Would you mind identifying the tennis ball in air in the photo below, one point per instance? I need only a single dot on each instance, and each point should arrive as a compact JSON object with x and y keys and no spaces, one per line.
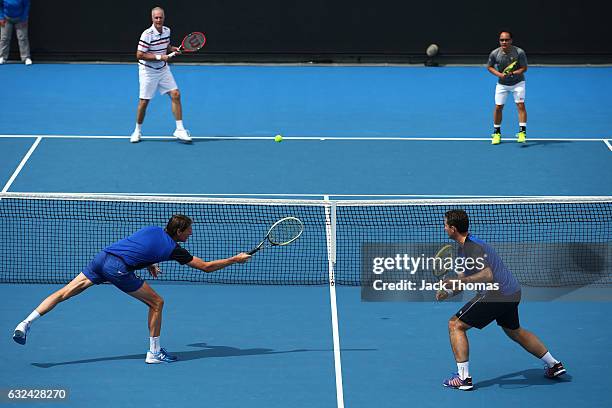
{"x":432,"y":50}
{"x":278,"y":138}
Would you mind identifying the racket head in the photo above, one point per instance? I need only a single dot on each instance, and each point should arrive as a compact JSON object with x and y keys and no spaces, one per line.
{"x":285,"y":231}
{"x":442,"y":267}
{"x":510,"y":67}
{"x":193,"y":42}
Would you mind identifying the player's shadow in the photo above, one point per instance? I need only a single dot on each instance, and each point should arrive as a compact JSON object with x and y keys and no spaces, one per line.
{"x":543,"y":143}
{"x":174,"y":140}
{"x":205,"y":351}
{"x":523,"y":379}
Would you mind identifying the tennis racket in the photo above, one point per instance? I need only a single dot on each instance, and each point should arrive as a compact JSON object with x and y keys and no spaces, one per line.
{"x":191,"y":43}
{"x":282,"y":232}
{"x":443,"y":262}
{"x":510,"y":67}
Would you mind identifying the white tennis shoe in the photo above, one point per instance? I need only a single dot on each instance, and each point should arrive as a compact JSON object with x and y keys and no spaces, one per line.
{"x":135,"y":138}
{"x":160,"y":357}
{"x":28,"y":61}
{"x":21,"y":332}
{"x":182,"y":135}
{"x":2,"y":60}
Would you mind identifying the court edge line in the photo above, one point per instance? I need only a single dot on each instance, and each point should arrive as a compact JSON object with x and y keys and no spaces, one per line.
{"x":607,"y":142}
{"x":22,"y":164}
{"x":329,"y":231}
{"x":319,"y":196}
{"x":270,"y":138}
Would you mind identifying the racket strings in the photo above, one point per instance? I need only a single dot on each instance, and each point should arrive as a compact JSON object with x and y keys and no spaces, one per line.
{"x":285,"y":231}
{"x":441,"y":261}
{"x":193,"y":42}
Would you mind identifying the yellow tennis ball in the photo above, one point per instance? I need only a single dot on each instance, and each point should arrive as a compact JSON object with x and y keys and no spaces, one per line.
{"x":278,"y":138}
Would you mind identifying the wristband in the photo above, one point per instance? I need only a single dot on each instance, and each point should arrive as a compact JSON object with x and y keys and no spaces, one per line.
{"x":158,"y":57}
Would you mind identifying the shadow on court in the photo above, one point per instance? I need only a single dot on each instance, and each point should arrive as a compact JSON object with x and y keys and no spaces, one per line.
{"x":207,"y":351}
{"x":221,"y":139}
{"x":543,"y":143}
{"x":523,"y":379}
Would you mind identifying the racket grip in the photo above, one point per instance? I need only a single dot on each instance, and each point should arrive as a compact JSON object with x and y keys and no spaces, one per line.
{"x":172,"y":54}
{"x":254,"y":250}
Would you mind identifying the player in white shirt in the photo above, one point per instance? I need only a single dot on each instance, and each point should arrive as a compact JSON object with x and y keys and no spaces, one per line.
{"x":154,"y":74}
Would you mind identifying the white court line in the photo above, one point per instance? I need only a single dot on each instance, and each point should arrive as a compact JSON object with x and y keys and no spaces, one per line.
{"x":607,"y":142}
{"x":310,"y":195}
{"x":23,"y":162}
{"x":330,"y":218}
{"x":308,"y":138}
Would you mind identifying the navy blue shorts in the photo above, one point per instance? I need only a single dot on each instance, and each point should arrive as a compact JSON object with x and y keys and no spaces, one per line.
{"x":482,"y":310}
{"x":110,"y":268}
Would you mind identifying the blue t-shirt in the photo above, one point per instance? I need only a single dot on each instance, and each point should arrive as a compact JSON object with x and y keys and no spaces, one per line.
{"x":148,"y":246}
{"x":474,"y":247}
{"x":14,"y":9}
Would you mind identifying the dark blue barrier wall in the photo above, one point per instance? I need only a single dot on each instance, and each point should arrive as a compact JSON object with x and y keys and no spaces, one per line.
{"x":327,"y":30}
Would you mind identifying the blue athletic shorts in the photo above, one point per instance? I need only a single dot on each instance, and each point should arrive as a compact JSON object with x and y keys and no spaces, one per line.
{"x":107,"y":267}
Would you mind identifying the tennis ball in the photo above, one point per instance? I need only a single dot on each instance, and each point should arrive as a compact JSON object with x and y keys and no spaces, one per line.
{"x":432,"y":50}
{"x":278,"y":138}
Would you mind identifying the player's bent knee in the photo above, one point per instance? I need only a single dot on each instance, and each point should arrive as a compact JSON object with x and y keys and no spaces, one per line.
{"x":175,"y":94}
{"x":514,"y":334}
{"x":158,"y":303}
{"x":455,"y":324}
{"x":499,"y":107}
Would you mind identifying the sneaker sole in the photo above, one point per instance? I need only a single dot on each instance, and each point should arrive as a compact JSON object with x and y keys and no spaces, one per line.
{"x":159,"y":361}
{"x":19,"y":337}
{"x":461,"y":388}
{"x":558,"y":373}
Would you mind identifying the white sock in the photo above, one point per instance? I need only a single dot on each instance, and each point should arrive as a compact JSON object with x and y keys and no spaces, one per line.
{"x":138,"y":127}
{"x":496,"y":126}
{"x":549,"y":359}
{"x":33,"y":316}
{"x":523,"y":124}
{"x":179,"y":125}
{"x":154,"y":344}
{"x":463,"y":369}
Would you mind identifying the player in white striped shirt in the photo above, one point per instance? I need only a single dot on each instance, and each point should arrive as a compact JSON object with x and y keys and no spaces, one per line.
{"x":154,"y":74}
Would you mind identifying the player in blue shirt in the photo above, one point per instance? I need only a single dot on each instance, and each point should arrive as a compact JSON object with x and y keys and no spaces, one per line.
{"x":500,"y":305}
{"x":116,"y":264}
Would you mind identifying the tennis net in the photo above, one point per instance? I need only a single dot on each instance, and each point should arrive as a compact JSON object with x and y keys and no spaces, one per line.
{"x":550,"y":242}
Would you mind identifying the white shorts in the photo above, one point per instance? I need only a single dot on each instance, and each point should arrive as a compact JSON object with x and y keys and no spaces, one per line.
{"x":502,"y":91}
{"x":152,"y":80}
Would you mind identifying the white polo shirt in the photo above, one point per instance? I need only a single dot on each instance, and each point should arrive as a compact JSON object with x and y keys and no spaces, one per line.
{"x":154,"y":42}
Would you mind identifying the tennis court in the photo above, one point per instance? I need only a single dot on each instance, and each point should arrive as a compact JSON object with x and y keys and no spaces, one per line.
{"x":350,"y":132}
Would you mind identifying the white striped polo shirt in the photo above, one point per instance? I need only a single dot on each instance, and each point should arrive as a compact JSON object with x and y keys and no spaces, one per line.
{"x":154,"y":42}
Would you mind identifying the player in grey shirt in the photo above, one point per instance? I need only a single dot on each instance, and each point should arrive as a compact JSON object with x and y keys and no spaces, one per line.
{"x":509,"y":64}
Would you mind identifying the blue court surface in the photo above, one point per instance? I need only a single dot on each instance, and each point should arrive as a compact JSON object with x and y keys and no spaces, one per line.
{"x":350,"y":132}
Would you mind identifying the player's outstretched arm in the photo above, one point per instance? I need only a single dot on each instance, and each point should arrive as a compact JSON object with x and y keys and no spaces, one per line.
{"x":211,"y":266}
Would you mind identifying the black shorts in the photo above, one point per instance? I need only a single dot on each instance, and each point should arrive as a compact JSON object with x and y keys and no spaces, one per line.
{"x":483,"y":309}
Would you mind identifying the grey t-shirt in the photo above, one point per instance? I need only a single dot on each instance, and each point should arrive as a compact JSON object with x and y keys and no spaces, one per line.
{"x":499,"y":60}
